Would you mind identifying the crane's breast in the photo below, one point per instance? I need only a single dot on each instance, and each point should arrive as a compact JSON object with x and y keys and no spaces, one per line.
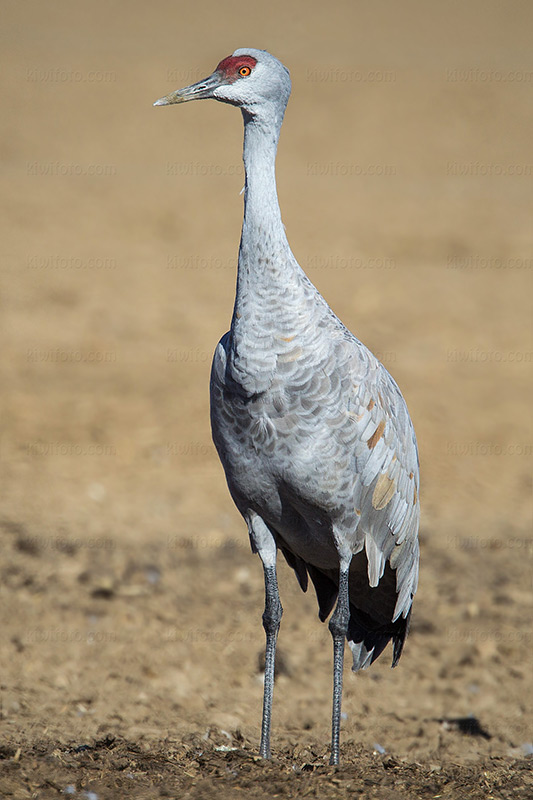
{"x":289,"y":435}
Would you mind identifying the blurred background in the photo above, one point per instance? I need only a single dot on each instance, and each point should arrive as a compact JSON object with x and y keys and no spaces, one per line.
{"x":405,"y":180}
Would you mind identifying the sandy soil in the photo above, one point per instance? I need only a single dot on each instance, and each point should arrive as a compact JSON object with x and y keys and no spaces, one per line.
{"x":131,"y":605}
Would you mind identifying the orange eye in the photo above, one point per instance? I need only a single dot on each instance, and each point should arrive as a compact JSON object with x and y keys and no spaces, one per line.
{"x":244,"y":72}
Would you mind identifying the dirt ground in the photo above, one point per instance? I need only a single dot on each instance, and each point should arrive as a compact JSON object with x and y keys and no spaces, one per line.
{"x":130,"y":603}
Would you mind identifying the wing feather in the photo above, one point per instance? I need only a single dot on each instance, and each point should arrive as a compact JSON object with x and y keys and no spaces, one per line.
{"x":386,"y":480}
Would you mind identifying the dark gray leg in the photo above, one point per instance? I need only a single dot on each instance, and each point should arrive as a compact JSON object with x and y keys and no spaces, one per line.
{"x":271,"y":623}
{"x":338,"y":626}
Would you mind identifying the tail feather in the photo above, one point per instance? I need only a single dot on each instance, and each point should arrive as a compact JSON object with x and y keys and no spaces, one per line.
{"x":367,"y":640}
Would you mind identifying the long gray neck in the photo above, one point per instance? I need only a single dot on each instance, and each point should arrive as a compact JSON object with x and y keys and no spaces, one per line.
{"x":266,"y":264}
{"x":261,"y":207}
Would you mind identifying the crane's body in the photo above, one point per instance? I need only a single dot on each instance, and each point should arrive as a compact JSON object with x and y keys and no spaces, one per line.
{"x":313,"y":433}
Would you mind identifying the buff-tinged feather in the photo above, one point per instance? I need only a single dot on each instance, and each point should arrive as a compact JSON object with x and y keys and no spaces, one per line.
{"x":383,"y":491}
{"x":376,"y":436}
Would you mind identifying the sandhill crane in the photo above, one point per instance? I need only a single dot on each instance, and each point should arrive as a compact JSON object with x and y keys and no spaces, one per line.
{"x":313,"y":433}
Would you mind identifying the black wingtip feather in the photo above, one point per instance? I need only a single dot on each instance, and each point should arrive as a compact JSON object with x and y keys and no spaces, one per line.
{"x":368,"y":640}
{"x":398,"y":640}
{"x":326,"y":592}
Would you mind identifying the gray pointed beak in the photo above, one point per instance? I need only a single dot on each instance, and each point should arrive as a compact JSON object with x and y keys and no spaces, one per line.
{"x":198,"y":91}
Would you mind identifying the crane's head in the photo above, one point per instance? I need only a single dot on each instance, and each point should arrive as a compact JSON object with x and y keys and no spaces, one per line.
{"x":251,"y":79}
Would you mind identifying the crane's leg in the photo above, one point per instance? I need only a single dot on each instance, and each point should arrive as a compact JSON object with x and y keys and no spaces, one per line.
{"x":271,"y":623}
{"x":263,"y":542}
{"x":338,"y":626}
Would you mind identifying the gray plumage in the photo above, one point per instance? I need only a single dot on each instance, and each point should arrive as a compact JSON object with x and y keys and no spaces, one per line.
{"x":313,"y":433}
